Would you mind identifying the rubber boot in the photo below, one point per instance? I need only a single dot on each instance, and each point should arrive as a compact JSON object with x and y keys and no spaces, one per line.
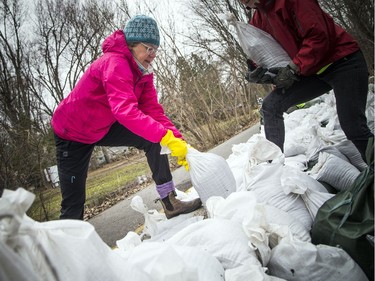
{"x":174,"y":207}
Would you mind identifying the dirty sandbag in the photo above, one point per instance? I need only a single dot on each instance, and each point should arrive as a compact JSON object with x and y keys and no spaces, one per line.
{"x":296,"y":260}
{"x":210,"y":174}
{"x":257,"y":44}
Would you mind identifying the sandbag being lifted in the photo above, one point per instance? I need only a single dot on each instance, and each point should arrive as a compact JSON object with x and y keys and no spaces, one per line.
{"x":257,"y":44}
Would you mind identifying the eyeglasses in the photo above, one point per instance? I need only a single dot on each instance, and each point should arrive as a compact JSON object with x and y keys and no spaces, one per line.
{"x":151,"y":50}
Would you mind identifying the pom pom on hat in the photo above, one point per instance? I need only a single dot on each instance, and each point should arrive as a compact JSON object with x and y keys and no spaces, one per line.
{"x":142,"y":28}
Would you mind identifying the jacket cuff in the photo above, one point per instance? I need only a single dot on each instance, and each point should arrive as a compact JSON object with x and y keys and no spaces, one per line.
{"x":294,"y":67}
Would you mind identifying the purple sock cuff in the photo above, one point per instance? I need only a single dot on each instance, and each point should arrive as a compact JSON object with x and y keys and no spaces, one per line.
{"x":164,"y":189}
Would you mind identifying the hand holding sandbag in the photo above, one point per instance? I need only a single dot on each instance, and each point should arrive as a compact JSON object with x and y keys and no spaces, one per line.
{"x":259,"y":76}
{"x":285,"y":76}
{"x":177,"y":146}
{"x":183,"y":162}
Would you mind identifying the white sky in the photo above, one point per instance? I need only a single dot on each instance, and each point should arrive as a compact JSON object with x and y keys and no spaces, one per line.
{"x":166,"y":12}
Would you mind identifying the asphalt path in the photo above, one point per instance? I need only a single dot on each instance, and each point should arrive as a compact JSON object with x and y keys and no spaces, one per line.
{"x":114,"y":223}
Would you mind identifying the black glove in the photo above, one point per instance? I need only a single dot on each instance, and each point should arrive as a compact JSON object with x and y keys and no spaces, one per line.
{"x":259,"y":76}
{"x":285,"y":76}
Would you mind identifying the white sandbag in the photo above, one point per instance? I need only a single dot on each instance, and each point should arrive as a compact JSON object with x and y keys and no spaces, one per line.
{"x":19,"y":201}
{"x":167,"y":229}
{"x":210,"y":174}
{"x":313,"y":193}
{"x":298,"y":161}
{"x":265,"y":232}
{"x":302,"y":261}
{"x":323,"y":121}
{"x":255,"y":228}
{"x":223,"y":239}
{"x":281,"y":224}
{"x":129,"y":242}
{"x":370,"y":107}
{"x":152,"y":217}
{"x":314,"y":200}
{"x":237,"y":162}
{"x":166,"y":262}
{"x":241,"y":206}
{"x":262,"y":176}
{"x":258,"y":45}
{"x":326,"y":170}
{"x":298,"y":140}
{"x":265,"y":181}
{"x":249,"y":272}
{"x":235,"y":207}
{"x":13,"y":267}
{"x":262,"y":150}
{"x":327,"y":114}
{"x":293,"y":120}
{"x":246,"y":155}
{"x":315,"y":146}
{"x":67,"y":241}
{"x":331,"y":149}
{"x":295,"y":181}
{"x":332,"y":132}
{"x":56,"y":250}
{"x":348,"y":149}
{"x":13,"y":207}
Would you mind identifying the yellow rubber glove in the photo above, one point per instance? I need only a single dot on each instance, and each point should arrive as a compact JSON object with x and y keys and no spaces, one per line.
{"x":178,"y":147}
{"x":183,"y":162}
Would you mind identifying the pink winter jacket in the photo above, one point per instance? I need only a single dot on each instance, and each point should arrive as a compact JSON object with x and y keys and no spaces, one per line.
{"x":112,"y":89}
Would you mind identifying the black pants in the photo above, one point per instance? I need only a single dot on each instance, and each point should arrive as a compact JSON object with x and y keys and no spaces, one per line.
{"x":348,"y":77}
{"x":73,"y":162}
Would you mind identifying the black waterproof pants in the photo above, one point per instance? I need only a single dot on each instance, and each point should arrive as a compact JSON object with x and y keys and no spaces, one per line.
{"x":73,"y":162}
{"x":348,"y":77}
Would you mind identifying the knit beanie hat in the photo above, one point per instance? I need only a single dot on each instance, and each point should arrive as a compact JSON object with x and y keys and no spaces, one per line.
{"x":142,"y":28}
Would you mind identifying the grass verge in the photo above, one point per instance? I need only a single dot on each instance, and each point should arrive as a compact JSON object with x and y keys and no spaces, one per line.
{"x":113,"y":178}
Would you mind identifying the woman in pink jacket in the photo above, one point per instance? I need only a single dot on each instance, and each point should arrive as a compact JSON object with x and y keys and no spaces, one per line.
{"x":115,"y":104}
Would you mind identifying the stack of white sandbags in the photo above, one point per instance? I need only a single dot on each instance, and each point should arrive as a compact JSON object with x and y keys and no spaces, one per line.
{"x":262,"y":230}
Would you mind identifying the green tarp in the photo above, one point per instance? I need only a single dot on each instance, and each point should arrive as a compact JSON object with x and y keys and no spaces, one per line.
{"x":347,"y":219}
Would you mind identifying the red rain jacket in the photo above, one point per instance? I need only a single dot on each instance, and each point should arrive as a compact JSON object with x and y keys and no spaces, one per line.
{"x":305,"y":31}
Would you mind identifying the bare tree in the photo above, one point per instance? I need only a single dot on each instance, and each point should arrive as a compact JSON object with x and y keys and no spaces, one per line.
{"x":68,"y":38}
{"x":41,"y":60}
{"x":357,"y":17}
{"x":204,"y":91}
{"x":22,"y":135}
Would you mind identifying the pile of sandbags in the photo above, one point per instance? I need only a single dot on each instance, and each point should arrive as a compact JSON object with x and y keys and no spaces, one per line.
{"x":260,"y":211}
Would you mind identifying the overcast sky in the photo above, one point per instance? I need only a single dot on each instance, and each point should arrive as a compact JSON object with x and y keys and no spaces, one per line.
{"x":166,"y":12}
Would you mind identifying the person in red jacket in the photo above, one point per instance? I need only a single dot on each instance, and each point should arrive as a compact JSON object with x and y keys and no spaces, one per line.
{"x":323,"y":57}
{"x":115,"y":103}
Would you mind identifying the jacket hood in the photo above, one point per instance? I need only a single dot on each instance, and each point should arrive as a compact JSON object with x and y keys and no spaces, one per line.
{"x":116,"y":43}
